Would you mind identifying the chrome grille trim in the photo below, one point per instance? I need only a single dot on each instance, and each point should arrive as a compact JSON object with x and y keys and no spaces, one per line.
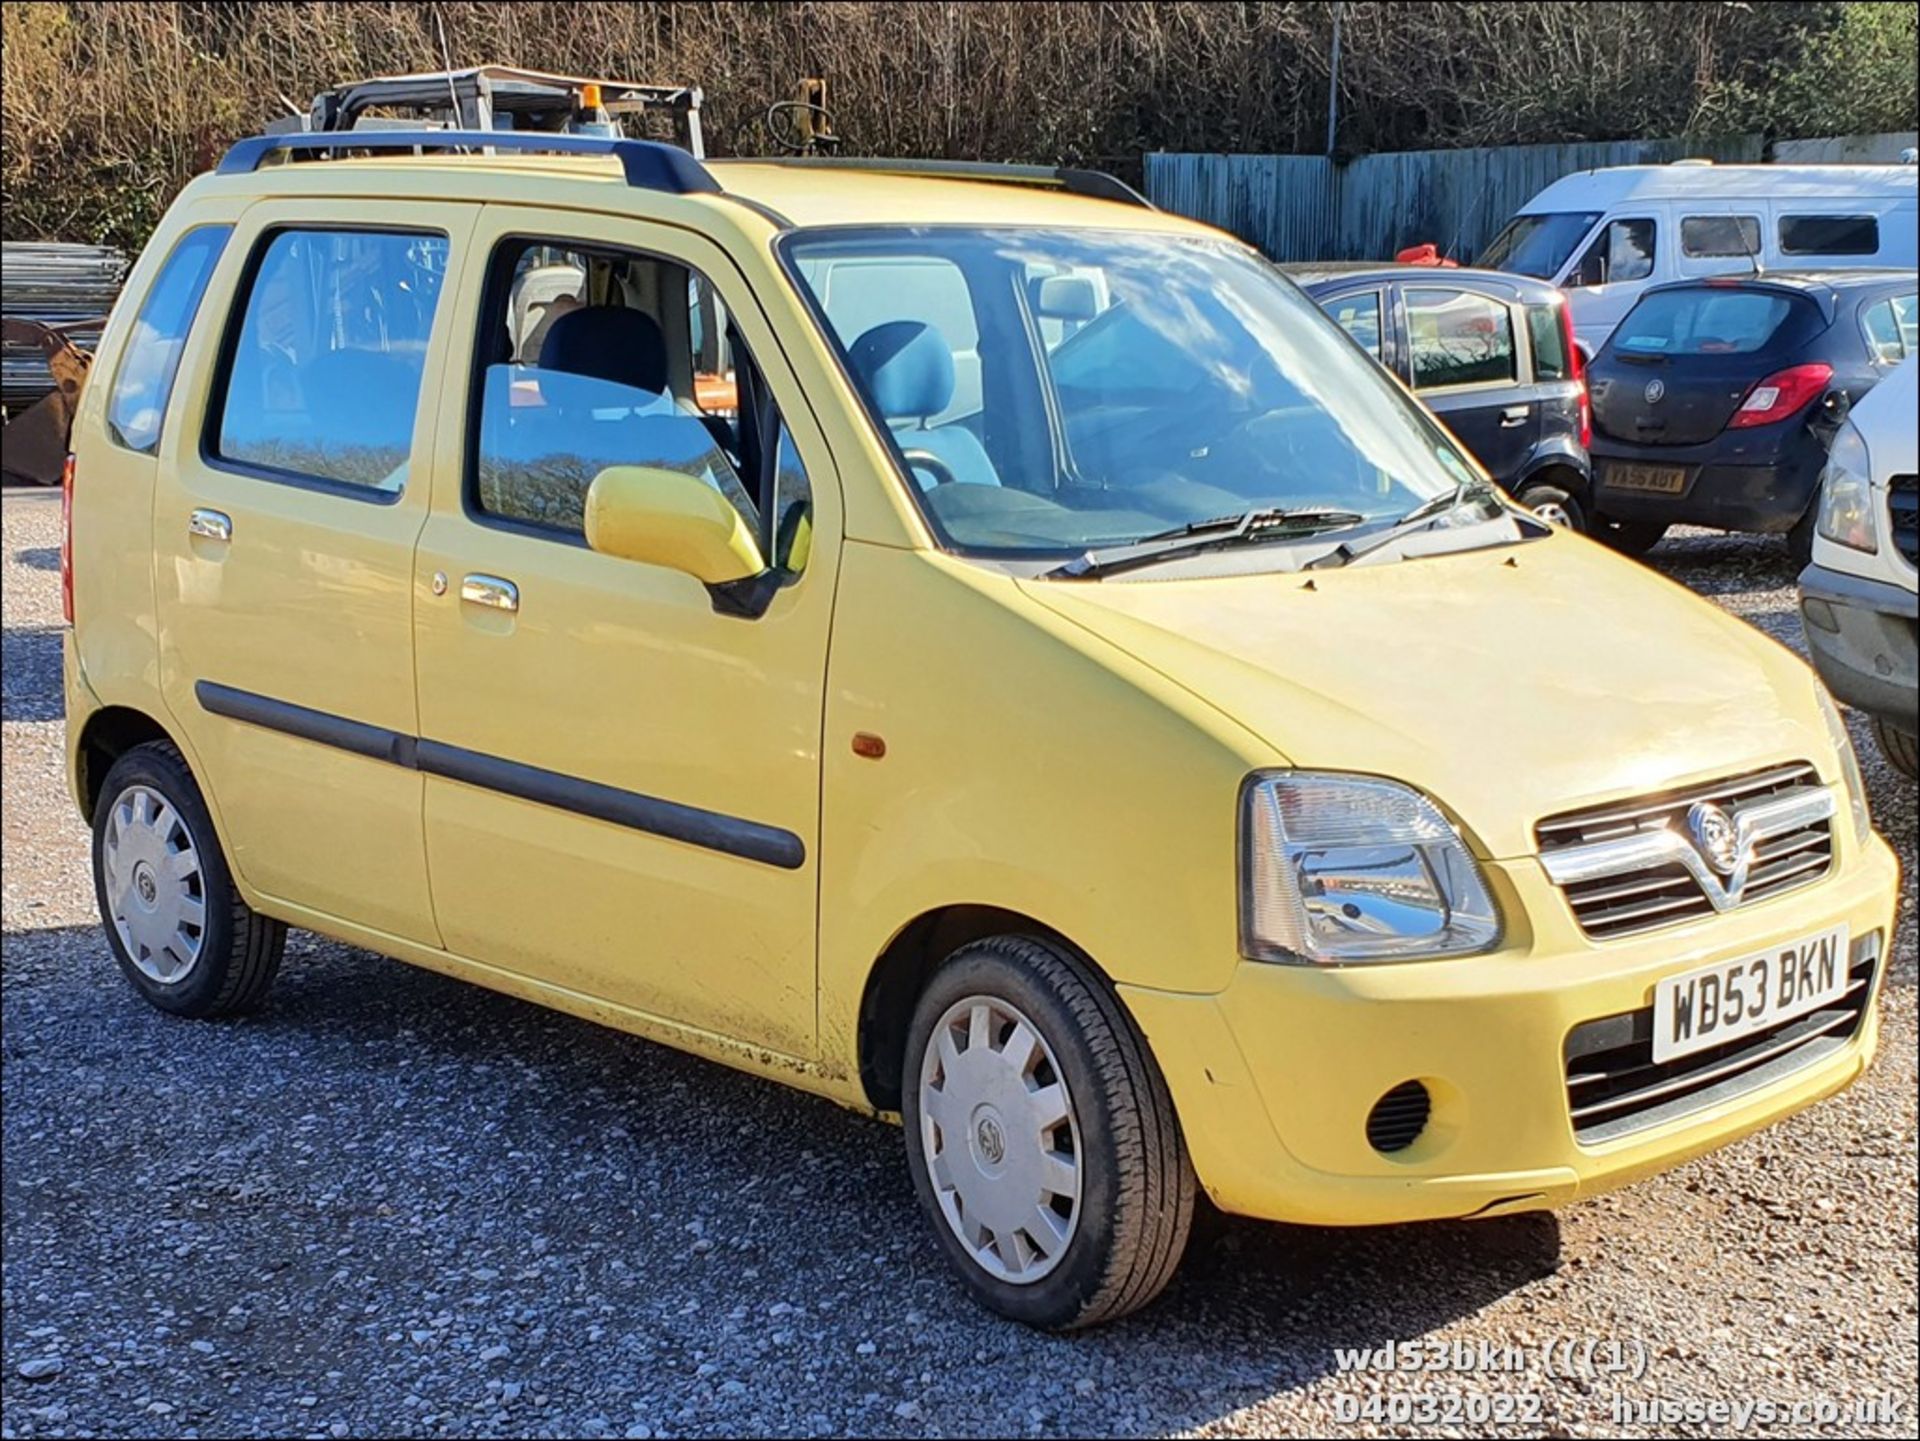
{"x":1631,"y":866}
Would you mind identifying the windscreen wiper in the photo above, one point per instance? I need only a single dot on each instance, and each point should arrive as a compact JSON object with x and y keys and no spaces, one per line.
{"x":1253,"y":526}
{"x":1428,"y":513}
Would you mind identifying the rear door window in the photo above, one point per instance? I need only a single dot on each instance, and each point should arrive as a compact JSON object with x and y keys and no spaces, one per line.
{"x":1458,"y":338}
{"x":1715,"y":236}
{"x":1713,"y":321}
{"x":151,"y":356}
{"x":1829,"y":235}
{"x":321,"y":375}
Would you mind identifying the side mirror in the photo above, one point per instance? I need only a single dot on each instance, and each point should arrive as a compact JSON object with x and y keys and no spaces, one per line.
{"x":1835,"y":407}
{"x":668,"y":518}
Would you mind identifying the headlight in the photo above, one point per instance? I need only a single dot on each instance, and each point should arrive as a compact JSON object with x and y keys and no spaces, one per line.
{"x":1340,"y":868}
{"x":1846,"y":493}
{"x":1849,"y":765}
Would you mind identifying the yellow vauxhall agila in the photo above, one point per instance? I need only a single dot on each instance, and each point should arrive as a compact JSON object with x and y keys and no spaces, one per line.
{"x":955,"y":640}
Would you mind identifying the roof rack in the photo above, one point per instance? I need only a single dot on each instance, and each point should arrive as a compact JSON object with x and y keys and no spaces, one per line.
{"x":648,"y":164}
{"x":1095,"y":184}
{"x":488,"y":97}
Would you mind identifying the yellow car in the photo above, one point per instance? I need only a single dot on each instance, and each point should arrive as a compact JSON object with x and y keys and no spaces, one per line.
{"x":953,"y":639}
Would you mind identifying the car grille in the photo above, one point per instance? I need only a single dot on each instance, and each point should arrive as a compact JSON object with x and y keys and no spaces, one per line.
{"x":1666,"y":894}
{"x":1615,"y":1087}
{"x":1903,"y":510}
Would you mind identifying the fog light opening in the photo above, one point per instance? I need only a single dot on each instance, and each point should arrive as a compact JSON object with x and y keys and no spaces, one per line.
{"x":1398,"y":1117}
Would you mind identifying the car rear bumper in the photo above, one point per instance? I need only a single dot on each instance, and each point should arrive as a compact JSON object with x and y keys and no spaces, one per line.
{"x":1864,"y":640}
{"x":1274,"y":1078}
{"x":1760,"y":480}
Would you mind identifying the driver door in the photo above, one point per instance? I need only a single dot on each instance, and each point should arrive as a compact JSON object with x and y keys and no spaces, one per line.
{"x":623,"y":782}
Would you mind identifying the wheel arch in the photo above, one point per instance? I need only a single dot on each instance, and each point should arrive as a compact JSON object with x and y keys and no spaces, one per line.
{"x":901,"y":972}
{"x":109,"y":733}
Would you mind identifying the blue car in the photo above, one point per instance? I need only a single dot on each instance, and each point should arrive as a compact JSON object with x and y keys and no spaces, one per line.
{"x":1490,"y":354}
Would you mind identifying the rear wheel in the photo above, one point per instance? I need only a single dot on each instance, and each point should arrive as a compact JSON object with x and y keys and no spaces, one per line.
{"x":176,"y":925}
{"x":1629,"y":537}
{"x":1800,"y":538}
{"x":1041,"y":1139}
{"x":1556,"y":505}
{"x":1901,"y":750}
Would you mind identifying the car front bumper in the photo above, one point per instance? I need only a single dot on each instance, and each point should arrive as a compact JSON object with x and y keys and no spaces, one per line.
{"x":1750,"y":480}
{"x":1274,"y":1077}
{"x":1864,"y":637}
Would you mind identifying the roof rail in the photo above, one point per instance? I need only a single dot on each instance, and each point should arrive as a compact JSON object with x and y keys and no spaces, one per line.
{"x":1095,"y":184}
{"x":649,"y":164}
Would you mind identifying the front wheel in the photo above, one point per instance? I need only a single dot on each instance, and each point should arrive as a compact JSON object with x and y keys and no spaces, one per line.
{"x":180,"y":931}
{"x":1901,"y":750}
{"x":1041,"y":1138}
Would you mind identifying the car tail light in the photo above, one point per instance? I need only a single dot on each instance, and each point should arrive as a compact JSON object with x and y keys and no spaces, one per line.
{"x":1578,"y":370}
{"x":1781,"y":394}
{"x":66,"y":539}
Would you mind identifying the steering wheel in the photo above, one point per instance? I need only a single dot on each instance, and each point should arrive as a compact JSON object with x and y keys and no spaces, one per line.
{"x":926,"y":460}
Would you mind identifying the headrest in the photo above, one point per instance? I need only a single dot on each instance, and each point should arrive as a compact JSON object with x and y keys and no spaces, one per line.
{"x":907,"y":368}
{"x":608,"y":342}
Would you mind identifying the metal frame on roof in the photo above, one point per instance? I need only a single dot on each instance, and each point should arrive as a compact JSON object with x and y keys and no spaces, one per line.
{"x":647,"y":164}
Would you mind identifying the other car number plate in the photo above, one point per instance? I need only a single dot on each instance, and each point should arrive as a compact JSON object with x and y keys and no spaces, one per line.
{"x":1661,"y":479}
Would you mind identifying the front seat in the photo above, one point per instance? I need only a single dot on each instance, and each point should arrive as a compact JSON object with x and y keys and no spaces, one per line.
{"x":906,"y":369}
{"x":608,"y":342}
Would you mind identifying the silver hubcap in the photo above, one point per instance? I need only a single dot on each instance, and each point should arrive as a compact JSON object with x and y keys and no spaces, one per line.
{"x":156,"y":896}
{"x":1554,"y":514}
{"x":1001,"y":1140}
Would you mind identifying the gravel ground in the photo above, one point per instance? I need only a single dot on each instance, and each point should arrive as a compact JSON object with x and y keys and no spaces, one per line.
{"x":393,"y":1204}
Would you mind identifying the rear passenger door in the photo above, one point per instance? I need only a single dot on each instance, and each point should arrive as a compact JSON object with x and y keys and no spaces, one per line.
{"x":285,"y":516}
{"x":1466,"y":359}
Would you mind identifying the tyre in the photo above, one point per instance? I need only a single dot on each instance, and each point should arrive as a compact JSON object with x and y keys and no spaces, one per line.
{"x":1041,"y":1138}
{"x":1800,"y":538}
{"x":179,"y":930}
{"x":1901,"y":750}
{"x":1629,"y":537}
{"x":1555,"y":505}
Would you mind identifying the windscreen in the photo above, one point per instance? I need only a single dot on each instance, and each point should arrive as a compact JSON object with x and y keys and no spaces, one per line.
{"x":1537,"y":245}
{"x":1706,"y":320}
{"x":1049,"y":392}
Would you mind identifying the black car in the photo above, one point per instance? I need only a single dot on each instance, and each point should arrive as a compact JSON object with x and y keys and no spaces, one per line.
{"x":1490,"y":354}
{"x":1714,"y":401}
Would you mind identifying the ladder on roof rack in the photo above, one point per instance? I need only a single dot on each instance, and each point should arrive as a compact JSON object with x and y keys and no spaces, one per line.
{"x":647,"y":164}
{"x":497,"y":97}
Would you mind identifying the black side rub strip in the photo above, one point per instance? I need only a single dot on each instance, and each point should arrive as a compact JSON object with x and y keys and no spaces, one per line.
{"x":376,"y":742}
{"x":711,"y":830}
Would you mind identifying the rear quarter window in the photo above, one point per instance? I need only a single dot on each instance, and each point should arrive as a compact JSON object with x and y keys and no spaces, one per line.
{"x":1550,"y":359}
{"x":151,"y":358}
{"x":1715,"y":322}
{"x":321,"y":373}
{"x":1829,"y":235}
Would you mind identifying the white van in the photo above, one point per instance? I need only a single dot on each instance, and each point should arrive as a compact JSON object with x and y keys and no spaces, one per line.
{"x":1606,"y":235}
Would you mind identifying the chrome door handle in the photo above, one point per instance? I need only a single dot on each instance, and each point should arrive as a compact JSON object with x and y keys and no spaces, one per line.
{"x":491,"y":591}
{"x":210,"y":525}
{"x":1514,"y":415}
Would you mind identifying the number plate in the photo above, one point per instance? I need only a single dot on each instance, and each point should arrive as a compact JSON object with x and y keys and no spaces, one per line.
{"x":1661,"y":479}
{"x":1730,"y":999}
